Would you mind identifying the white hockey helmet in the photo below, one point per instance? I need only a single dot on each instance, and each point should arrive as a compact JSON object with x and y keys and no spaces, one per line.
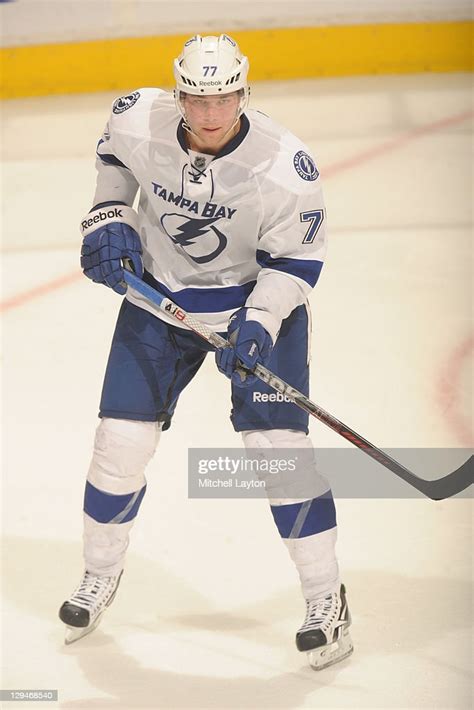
{"x":211,"y":65}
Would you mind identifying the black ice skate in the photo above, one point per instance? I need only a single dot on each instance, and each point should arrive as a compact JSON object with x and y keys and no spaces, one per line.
{"x":325,"y":631}
{"x":83,"y":610}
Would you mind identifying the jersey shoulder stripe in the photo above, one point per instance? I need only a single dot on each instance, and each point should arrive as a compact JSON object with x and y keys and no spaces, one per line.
{"x":109,"y":158}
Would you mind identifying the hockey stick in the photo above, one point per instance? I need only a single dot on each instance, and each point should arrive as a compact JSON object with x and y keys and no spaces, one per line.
{"x":444,"y":487}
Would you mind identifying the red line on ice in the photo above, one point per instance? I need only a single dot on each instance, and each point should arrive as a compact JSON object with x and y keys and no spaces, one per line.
{"x":33,"y":293}
{"x":394,"y":144}
{"x":449,"y":390}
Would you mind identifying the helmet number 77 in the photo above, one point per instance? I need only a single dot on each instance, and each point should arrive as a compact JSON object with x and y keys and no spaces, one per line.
{"x":208,"y":68}
{"x":315,"y":218}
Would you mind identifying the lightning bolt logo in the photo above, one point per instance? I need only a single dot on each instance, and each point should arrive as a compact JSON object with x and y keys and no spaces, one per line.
{"x":187,"y":232}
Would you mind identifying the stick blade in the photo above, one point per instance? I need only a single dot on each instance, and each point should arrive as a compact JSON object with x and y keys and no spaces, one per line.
{"x":453,"y":483}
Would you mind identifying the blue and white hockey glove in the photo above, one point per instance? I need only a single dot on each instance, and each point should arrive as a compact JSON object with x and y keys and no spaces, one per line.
{"x":251,"y":345}
{"x":110,"y":235}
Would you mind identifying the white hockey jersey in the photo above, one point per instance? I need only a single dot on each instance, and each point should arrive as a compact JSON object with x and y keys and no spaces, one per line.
{"x":244,"y":227}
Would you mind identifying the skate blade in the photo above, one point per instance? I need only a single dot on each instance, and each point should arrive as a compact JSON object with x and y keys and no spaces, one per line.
{"x":74,"y":633}
{"x":325,"y":656}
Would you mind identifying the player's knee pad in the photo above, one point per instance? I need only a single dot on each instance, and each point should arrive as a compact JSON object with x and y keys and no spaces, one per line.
{"x":116,"y":480}
{"x":300,"y":497}
{"x":288,"y":465}
{"x":122,"y":450}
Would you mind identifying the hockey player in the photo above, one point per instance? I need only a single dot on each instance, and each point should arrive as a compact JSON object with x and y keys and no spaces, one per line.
{"x":230,"y":224}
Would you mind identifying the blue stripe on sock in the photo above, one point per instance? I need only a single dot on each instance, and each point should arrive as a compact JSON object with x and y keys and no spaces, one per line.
{"x":320,"y":516}
{"x":106,"y":507}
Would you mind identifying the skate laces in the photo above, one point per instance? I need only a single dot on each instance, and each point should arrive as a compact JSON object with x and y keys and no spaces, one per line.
{"x":320,"y":612}
{"x":92,"y":590}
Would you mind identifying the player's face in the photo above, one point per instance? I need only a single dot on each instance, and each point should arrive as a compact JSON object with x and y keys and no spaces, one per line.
{"x":211,"y":119}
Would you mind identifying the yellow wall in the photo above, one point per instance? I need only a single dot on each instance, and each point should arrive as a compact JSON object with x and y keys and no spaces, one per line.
{"x":124,"y":64}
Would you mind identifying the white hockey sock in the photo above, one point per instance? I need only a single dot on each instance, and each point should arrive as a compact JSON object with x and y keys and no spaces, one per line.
{"x":302,"y":508}
{"x":315,"y":560}
{"x":114,"y":490}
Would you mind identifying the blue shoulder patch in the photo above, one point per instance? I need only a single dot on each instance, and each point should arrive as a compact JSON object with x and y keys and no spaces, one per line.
{"x":125,"y":102}
{"x":305,"y":166}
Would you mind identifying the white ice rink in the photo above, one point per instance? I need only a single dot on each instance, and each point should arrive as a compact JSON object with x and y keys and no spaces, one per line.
{"x":210,"y":602}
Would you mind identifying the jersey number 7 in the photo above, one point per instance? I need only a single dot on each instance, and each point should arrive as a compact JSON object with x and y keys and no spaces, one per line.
{"x":315,"y":218}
